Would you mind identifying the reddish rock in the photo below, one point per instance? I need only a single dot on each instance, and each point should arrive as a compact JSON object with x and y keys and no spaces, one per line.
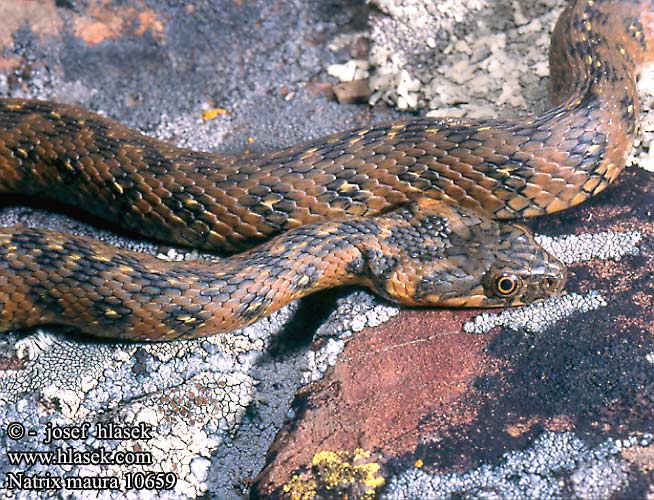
{"x":418,"y":390}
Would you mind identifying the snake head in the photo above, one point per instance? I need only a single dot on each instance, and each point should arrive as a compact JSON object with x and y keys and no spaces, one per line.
{"x":438,"y":254}
{"x":532,"y":274}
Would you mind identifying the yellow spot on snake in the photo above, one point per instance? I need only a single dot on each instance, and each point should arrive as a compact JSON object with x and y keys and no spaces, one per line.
{"x":588,"y":26}
{"x":177,"y":219}
{"x":118,"y":187}
{"x":303,"y":281}
{"x":418,"y":464}
{"x":55,"y":246}
{"x":14,"y":107}
{"x":111,"y":313}
{"x":507,"y":170}
{"x":593,"y":148}
{"x":74,"y":257}
{"x":191,"y":203}
{"x":630,"y":108}
{"x":55,"y":115}
{"x":308,"y":153}
{"x":346,"y":186}
{"x":590,"y":59}
{"x":270,"y":203}
{"x":187,"y":319}
{"x":22,"y":152}
{"x":101,"y":258}
{"x":327,"y":231}
{"x":126,"y":269}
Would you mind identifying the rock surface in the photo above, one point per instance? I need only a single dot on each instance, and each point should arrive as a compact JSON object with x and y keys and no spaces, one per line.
{"x":539,"y":402}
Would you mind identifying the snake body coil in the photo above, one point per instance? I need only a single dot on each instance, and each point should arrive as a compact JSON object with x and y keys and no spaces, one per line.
{"x":504,"y":170}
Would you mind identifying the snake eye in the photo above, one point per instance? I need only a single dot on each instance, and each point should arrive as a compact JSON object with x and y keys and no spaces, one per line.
{"x":506,"y":284}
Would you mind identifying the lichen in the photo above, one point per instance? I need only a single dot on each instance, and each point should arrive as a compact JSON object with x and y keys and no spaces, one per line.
{"x":537,"y":317}
{"x":573,"y":248}
{"x":556,"y":465}
{"x":337,"y":474}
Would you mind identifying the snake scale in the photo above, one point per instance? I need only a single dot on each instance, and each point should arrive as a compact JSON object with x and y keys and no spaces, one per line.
{"x":407,"y":208}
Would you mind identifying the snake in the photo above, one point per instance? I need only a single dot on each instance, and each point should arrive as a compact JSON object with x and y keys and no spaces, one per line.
{"x":414,"y":209}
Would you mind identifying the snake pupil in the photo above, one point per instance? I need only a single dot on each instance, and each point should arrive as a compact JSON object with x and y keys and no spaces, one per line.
{"x":506,"y":285}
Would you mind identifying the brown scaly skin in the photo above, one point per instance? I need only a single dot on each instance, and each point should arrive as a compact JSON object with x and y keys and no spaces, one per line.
{"x":515,"y":169}
{"x":529,"y":167}
{"x":427,"y":253}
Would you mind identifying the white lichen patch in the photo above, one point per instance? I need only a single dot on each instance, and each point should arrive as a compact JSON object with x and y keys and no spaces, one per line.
{"x":573,"y":249}
{"x":185,"y":420}
{"x":355,"y":69}
{"x":537,"y":317}
{"x":554,"y":464}
{"x":465,"y":56}
{"x":356,"y":312}
{"x":320,"y":360}
{"x":353,"y":313}
{"x":53,"y":364}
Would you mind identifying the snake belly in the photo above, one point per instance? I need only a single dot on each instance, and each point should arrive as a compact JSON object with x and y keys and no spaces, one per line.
{"x":503,"y":169}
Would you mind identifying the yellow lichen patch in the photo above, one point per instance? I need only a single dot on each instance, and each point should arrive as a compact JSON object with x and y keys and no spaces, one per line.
{"x":211,"y":114}
{"x":337,"y":474}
